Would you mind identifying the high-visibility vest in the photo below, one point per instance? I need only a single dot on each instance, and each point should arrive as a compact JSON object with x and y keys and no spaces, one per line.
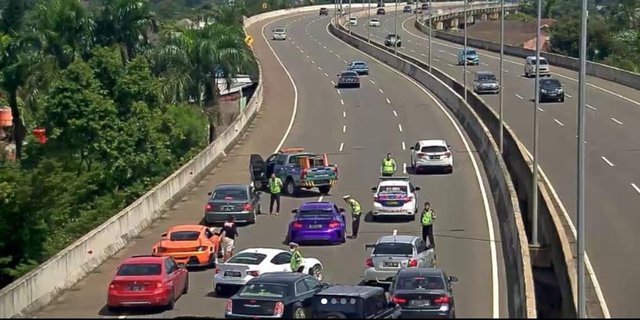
{"x":355,"y":207}
{"x":275,"y":185}
{"x":388,"y":166}
{"x":427,"y":217}
{"x":296,"y":260}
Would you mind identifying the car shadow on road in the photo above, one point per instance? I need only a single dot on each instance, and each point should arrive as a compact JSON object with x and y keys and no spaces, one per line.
{"x":318,"y":243}
{"x":428,"y":171}
{"x":133,"y":311}
{"x":304,"y":194}
{"x":400,"y":219}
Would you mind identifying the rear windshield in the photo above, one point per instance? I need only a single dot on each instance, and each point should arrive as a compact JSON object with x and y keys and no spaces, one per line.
{"x":393,"y":249}
{"x":247,"y":258}
{"x":486,"y":77}
{"x":327,"y":304}
{"x":542,"y":61}
{"x":270,"y":290}
{"x":140,"y":269}
{"x":315,"y":213}
{"x":393,"y":189}
{"x":230,"y":194}
{"x":434,"y":149}
{"x":184,"y":235}
{"x":360,"y":64}
{"x":349,"y":74}
{"x":279,"y":30}
{"x":419,"y":283}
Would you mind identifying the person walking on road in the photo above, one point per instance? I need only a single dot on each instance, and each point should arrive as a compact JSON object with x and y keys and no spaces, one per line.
{"x":388,"y":167}
{"x":426,"y":220}
{"x":356,"y":212}
{"x":275,"y":188}
{"x":229,"y":235}
{"x":296,"y":258}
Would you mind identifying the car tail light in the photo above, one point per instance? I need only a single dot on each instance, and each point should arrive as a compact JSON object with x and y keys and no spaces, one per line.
{"x":208,"y":207}
{"x":112,"y":285}
{"x":247,"y":207}
{"x":229,"y":306}
{"x":421,"y":155}
{"x":408,"y":198}
{"x":253,"y":273}
{"x":368,"y":263}
{"x":447,"y":154}
{"x":335,"y":169}
{"x":216,"y":271}
{"x":442,"y":300}
{"x":334,"y":224}
{"x":279,"y":309}
{"x":201,"y":248}
{"x":413,"y":263}
{"x":159,"y":285}
{"x":398,"y":300}
{"x":297,"y":225}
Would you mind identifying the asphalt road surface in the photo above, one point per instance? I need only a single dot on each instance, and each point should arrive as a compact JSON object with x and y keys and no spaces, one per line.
{"x":356,"y":127}
{"x":612,"y":154}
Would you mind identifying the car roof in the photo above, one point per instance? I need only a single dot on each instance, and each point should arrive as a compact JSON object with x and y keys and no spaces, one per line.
{"x":393,"y":183}
{"x":359,"y":61}
{"x":186,"y":227}
{"x":314,"y":205}
{"x":433,"y":142}
{"x":349,"y":72}
{"x":351,"y":291}
{"x":396,"y":239}
{"x":231,"y":186}
{"x":280,"y":276}
{"x":143,"y":259}
{"x":421,"y":272}
{"x":468,"y":49}
{"x":270,"y":252}
{"x":484,"y":73}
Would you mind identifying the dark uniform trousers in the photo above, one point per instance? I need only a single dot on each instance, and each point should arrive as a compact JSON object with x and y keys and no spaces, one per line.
{"x":427,"y":232}
{"x":355,"y":225}
{"x":275,"y":198}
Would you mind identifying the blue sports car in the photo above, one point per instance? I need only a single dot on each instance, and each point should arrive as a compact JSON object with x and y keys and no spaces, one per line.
{"x":318,"y":221}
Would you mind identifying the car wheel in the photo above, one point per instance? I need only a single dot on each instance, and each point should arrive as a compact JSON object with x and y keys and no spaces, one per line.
{"x":290,"y":187}
{"x":344,"y":237}
{"x":299,"y":312}
{"x":186,"y":283}
{"x":219,"y":290}
{"x":172,"y":302}
{"x":324,"y":189}
{"x":316,"y":272}
{"x":212,"y":260}
{"x":562,"y":99}
{"x":113,"y":309}
{"x":450,"y":169}
{"x":253,"y":218}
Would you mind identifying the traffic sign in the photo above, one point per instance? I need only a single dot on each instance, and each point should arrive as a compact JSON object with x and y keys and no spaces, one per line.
{"x":264,"y":5}
{"x":248,"y":40}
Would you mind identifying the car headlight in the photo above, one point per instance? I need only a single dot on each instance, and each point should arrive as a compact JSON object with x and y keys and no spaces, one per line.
{"x":201,"y":248}
{"x":560,"y":90}
{"x":544,"y":91}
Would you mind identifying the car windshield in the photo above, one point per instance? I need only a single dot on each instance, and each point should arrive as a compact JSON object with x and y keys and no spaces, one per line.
{"x":392,"y":190}
{"x":393,"y":248}
{"x":419,"y":283}
{"x":391,"y":36}
{"x":486,"y":77}
{"x":252,"y":258}
{"x":230,"y":194}
{"x":315,"y":213}
{"x":433,"y":149}
{"x":140,"y":269}
{"x":270,"y":290}
{"x":471,"y":53}
{"x":184,"y":235}
{"x":279,"y":30}
{"x":549,"y":83}
{"x":543,"y":61}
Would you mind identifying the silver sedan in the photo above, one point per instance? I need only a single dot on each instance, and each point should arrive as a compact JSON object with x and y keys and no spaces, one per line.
{"x":394,"y":252}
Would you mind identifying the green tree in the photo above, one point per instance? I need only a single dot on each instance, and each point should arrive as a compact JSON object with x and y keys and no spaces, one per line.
{"x":108,"y":66}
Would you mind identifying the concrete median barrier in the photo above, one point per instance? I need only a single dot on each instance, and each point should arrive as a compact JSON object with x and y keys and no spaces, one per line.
{"x":520,"y":281}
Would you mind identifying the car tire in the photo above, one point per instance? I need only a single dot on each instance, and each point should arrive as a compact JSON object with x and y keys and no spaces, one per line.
{"x":562,"y":99}
{"x":299,"y":312}
{"x":220,"y":290}
{"x":344,"y":237}
{"x":186,"y":285}
{"x":316,"y":272}
{"x":113,"y":309}
{"x":324,"y":189}
{"x":290,"y":188}
{"x":172,"y":302}
{"x":212,"y":260}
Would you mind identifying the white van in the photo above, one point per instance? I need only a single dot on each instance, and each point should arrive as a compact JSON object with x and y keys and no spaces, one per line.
{"x":530,"y":67}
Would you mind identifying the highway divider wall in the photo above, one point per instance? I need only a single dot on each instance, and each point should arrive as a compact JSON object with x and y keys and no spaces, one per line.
{"x":624,"y":77}
{"x":515,"y":249}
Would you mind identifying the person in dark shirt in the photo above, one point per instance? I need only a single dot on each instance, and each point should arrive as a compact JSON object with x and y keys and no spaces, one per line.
{"x":229,"y":232}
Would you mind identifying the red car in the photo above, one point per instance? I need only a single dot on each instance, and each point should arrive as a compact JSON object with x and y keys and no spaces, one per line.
{"x":147,"y":281}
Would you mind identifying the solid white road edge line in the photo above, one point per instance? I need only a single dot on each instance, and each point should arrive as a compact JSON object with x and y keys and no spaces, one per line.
{"x":495,"y":288}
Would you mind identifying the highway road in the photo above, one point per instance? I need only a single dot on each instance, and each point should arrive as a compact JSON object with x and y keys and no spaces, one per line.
{"x":357,"y":127}
{"x":612,"y":154}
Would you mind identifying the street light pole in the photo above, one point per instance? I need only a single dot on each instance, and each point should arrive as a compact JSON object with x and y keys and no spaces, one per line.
{"x":369,"y":23}
{"x":464,"y":68}
{"x":501,"y":72}
{"x":430,"y":27}
{"x":395,"y":29}
{"x":582,"y":79}
{"x":349,"y":17}
{"x":534,"y":187}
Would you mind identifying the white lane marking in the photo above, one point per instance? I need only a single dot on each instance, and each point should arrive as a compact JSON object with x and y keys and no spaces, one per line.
{"x":372,"y":82}
{"x":505,"y":70}
{"x":326,"y":75}
{"x":451,"y":65}
{"x":333,"y":82}
{"x":320,"y":68}
{"x":422,"y":54}
{"x":293,"y":42}
{"x":568,"y":95}
{"x":412,"y":50}
{"x":331,"y":51}
{"x":400,"y":127}
{"x":388,"y":101}
{"x":495,"y":288}
{"x":122,"y":317}
{"x":320,"y":198}
{"x":616,"y":121}
{"x":345,"y":61}
{"x":381,"y":91}
{"x":607,"y":161}
{"x":344,"y":114}
{"x":591,"y":107}
{"x":308,"y":57}
{"x":395,"y":113}
{"x":558,"y":122}
{"x":540,"y":109}
{"x":435,"y":59}
{"x":313,"y":62}
{"x":484,"y":64}
{"x":404,"y":168}
{"x":342,"y":102}
{"x":344,"y":129}
{"x":324,"y":47}
{"x":519,"y":96}
{"x":453,"y":54}
{"x":338,"y":90}
{"x":441,"y":51}
{"x":337,"y":55}
{"x":297,"y":47}
{"x":404,"y":147}
{"x":301,"y":51}
{"x":633,"y":185}
{"x":341,"y":146}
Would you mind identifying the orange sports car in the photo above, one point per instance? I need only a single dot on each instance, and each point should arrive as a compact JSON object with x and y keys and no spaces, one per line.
{"x":191,"y":245}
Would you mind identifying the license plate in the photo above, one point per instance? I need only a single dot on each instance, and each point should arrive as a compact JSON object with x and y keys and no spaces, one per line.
{"x":392,"y":202}
{"x":228,"y":208}
{"x":135,"y":288}
{"x":322,"y":181}
{"x":315,"y":226}
{"x":391,"y":264}
{"x":434,"y":157}
{"x":419,"y":303}
{"x":235,"y":274}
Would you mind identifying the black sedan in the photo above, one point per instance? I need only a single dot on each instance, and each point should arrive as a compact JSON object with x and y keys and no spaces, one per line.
{"x":239,"y":200}
{"x":381,"y":12}
{"x":348,"y":79}
{"x":275,"y":295}
{"x":393,"y":40}
{"x":423,"y":293}
{"x":551,"y":90}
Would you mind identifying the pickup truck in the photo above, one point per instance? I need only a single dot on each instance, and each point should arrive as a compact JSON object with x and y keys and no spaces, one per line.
{"x":297,"y":170}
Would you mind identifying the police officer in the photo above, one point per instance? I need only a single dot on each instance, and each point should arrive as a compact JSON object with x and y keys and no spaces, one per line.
{"x":356,"y":211}
{"x":296,"y":258}
{"x":275,"y":188}
{"x":388,"y":167}
{"x":426,"y":220}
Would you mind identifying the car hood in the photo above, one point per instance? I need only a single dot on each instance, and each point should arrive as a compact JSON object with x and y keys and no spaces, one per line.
{"x":488,"y":82}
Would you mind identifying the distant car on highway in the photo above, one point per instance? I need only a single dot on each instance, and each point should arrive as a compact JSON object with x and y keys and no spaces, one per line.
{"x":485,"y":82}
{"x":324,"y":11}
{"x":395,"y":197}
{"x":274,"y":295}
{"x":360,"y":67}
{"x":423,"y":293}
{"x":348,"y":79}
{"x":147,"y":281}
{"x":318,"y":221}
{"x":381,"y":11}
{"x":406,"y":9}
{"x":190,"y":245}
{"x":393,"y":252}
{"x":393,"y":40}
{"x":353,"y":21}
{"x":471,"y":57}
{"x":551,"y":90}
{"x":530,"y":67}
{"x":380,"y":4}
{"x":250,"y":263}
{"x":424,"y":6}
{"x":375,"y":22}
{"x":279,"y":33}
{"x":352,"y":302}
{"x":431,"y":153}
{"x":239,"y":200}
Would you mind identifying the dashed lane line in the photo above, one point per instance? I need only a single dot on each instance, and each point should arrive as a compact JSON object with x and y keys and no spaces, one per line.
{"x":558,"y":122}
{"x":616,"y":121}
{"x":607,"y":161}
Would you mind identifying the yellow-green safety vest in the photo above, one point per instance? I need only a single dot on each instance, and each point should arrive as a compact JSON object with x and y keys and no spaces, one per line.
{"x":275,"y":185}
{"x":355,"y":207}
{"x":388,"y":166}
{"x":427,"y":217}
{"x":296,"y":260}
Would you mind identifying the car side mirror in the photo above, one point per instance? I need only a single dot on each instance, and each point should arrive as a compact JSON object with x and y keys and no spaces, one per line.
{"x":294,"y":211}
{"x":453,"y":279}
{"x":412,"y":148}
{"x":342,"y":210}
{"x":448,"y":146}
{"x":418,"y":188}
{"x":209,"y":193}
{"x":373,"y":189}
{"x":163,"y":235}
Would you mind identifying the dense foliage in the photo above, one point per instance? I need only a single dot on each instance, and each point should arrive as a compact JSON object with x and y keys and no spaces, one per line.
{"x":613,"y":30}
{"x":121,"y":94}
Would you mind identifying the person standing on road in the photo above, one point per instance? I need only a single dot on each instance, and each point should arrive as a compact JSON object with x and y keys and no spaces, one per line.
{"x":275,"y":188}
{"x":229,"y":235}
{"x":388,"y":167}
{"x":356,"y":212}
{"x":426,"y":220}
{"x":296,"y":258}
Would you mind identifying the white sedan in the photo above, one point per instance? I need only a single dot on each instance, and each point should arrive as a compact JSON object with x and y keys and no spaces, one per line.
{"x":431,"y":153}
{"x":250,"y":263}
{"x":375,"y":22}
{"x":395,"y":197}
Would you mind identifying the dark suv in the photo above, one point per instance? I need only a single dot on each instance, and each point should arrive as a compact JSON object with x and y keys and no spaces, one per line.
{"x":324,"y":11}
{"x":380,"y":12}
{"x":551,"y":90}
{"x":353,"y":302}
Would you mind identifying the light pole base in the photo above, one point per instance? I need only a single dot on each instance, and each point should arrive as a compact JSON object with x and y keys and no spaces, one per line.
{"x":540,"y":257}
